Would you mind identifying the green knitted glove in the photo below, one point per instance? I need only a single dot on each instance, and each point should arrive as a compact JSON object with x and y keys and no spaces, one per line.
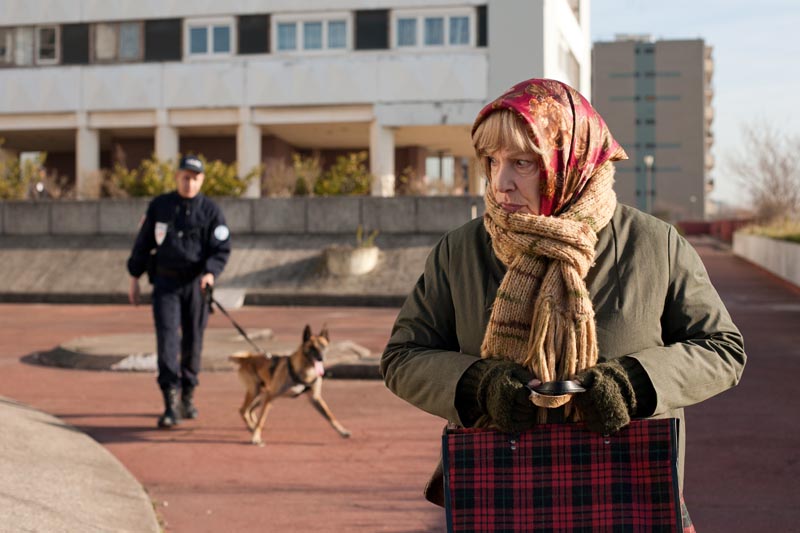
{"x":609,"y":400}
{"x":497,"y":388}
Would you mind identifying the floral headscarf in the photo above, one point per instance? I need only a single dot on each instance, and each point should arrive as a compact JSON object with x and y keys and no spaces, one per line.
{"x":573,"y":137}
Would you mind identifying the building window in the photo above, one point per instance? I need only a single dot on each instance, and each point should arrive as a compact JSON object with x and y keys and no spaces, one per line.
{"x":253,"y":33}
{"x":311,"y":33}
{"x":440,"y":168}
{"x":208,"y":38}
{"x":47,"y":45}
{"x":105,"y":42}
{"x":198,"y":40}
{"x":6,"y":46}
{"x":29,"y":45}
{"x":434,"y":31}
{"x":130,"y":41}
{"x":164,"y":40}
{"x":222,"y":39}
{"x":287,"y":36}
{"x":406,"y":32}
{"x":459,"y":31}
{"x":337,"y":34}
{"x":117,"y":42}
{"x":23,"y":46}
{"x":371,"y":29}
{"x":422,"y":29}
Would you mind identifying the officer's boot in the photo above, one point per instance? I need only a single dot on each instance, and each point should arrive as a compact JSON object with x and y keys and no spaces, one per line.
{"x":170,"y":417}
{"x":189,"y":410}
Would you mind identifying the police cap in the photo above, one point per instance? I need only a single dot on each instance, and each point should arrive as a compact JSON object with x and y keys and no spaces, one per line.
{"x":191,"y":162}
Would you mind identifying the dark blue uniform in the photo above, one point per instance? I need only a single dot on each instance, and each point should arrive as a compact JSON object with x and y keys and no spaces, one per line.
{"x":180,"y":240}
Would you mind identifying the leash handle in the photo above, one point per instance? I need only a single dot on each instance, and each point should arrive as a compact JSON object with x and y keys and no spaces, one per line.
{"x":208,"y":292}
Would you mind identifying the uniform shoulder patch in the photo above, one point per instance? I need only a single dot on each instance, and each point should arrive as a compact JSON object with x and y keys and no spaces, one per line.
{"x":221,"y":233}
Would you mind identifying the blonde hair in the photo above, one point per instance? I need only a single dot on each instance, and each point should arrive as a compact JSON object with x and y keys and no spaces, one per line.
{"x":502,"y":129}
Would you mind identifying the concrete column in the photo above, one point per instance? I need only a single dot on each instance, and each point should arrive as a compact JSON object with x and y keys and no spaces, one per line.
{"x":87,"y":161}
{"x":167,"y":138}
{"x":381,"y":159}
{"x":248,"y":151}
{"x":476,"y":179}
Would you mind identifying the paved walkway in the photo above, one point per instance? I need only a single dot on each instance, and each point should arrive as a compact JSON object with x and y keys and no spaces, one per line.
{"x":743,"y":447}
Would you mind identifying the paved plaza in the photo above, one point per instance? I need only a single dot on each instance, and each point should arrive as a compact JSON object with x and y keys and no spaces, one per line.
{"x":743,"y":447}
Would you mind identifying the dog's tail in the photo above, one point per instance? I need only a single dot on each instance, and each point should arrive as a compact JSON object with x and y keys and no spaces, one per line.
{"x":239,"y":357}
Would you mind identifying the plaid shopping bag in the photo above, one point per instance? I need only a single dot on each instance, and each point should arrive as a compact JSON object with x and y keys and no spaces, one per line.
{"x":563,"y":478}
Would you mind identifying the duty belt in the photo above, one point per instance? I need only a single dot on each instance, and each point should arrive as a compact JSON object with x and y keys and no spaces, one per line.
{"x":179,"y":275}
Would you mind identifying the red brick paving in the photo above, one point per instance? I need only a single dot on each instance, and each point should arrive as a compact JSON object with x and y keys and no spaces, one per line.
{"x":743,"y":446}
{"x":206,"y":476}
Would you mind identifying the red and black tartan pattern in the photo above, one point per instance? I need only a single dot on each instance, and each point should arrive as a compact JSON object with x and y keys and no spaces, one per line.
{"x":559,"y":478}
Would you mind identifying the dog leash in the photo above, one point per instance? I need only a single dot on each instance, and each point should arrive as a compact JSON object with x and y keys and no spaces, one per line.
{"x":209,"y":290}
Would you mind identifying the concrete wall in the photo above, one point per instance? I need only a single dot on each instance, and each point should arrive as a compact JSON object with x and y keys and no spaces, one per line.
{"x":782,"y":258}
{"x":269,"y":216}
{"x":19,"y":12}
{"x":258,"y":81}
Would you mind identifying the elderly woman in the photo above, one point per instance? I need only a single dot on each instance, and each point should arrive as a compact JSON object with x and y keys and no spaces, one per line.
{"x":559,"y":281}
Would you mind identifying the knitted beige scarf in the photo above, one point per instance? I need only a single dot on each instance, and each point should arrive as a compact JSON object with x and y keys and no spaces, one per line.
{"x":542,"y":317}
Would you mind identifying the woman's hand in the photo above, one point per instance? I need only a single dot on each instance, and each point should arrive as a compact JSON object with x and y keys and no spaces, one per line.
{"x":503,"y":396}
{"x":609,"y":400}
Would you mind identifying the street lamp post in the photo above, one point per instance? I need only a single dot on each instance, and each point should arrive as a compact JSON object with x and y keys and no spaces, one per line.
{"x":650,"y":187}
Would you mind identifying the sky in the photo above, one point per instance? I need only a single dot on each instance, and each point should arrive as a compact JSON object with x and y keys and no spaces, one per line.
{"x":756,"y":62}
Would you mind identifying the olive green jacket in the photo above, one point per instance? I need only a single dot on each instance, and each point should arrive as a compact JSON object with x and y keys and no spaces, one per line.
{"x":652,"y":298}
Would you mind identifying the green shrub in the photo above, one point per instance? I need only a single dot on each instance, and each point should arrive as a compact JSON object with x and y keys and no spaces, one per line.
{"x":16,"y":178}
{"x":348,"y":176}
{"x":13,"y":181}
{"x":364,"y":238}
{"x":409,"y":184}
{"x":307,"y":171}
{"x":785,"y":230}
{"x":222,"y":180}
{"x":154,"y":177}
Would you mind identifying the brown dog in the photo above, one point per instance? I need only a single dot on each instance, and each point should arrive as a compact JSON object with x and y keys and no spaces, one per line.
{"x":268,"y":377}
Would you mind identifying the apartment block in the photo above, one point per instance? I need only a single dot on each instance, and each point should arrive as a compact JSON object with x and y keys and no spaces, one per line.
{"x":96,"y":84}
{"x":656,"y":97}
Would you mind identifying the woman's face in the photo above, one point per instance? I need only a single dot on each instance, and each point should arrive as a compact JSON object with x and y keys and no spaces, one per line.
{"x":515,"y":180}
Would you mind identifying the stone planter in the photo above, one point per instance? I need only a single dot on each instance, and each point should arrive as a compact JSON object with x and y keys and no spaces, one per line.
{"x":349,"y":261}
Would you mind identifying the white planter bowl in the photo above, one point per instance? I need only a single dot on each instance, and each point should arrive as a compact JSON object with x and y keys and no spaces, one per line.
{"x":349,"y":261}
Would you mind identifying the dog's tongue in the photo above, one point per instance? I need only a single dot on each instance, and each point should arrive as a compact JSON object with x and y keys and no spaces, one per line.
{"x":319,"y":368}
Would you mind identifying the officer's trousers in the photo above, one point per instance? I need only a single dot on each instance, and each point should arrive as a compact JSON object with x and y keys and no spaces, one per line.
{"x":180,"y":313}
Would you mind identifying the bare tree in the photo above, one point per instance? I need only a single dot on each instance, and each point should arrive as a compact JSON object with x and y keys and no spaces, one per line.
{"x":768,"y":167}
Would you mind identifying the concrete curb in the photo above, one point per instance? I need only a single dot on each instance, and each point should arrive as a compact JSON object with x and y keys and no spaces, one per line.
{"x":252,"y":298}
{"x":334,"y":300}
{"x":135,"y":352}
{"x":62,"y":480}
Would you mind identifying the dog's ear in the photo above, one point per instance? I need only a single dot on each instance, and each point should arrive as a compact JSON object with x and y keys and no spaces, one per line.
{"x":306,"y":333}
{"x":324,"y":333}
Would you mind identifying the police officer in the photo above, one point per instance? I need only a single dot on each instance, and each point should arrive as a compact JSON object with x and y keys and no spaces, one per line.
{"x":183,"y":245}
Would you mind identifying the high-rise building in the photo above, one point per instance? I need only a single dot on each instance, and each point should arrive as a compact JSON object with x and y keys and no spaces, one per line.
{"x":97,"y":83}
{"x":656,"y":98}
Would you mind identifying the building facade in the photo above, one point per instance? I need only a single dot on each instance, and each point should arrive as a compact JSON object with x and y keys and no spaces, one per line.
{"x":95,"y":83}
{"x":656,"y":97}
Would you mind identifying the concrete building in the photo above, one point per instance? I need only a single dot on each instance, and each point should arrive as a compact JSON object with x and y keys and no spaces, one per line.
{"x":253,"y":81}
{"x":656,"y":97}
